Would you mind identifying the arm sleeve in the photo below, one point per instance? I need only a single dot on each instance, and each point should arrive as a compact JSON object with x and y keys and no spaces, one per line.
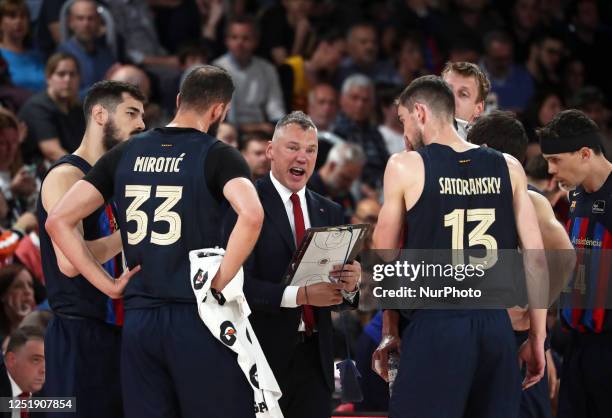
{"x":223,"y":163}
{"x":102,"y":174}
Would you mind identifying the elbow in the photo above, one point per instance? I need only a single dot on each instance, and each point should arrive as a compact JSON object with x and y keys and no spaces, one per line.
{"x":253,"y":218}
{"x":52,"y":225}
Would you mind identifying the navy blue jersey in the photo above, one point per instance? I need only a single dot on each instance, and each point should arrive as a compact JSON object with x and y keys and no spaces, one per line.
{"x":165,"y":207}
{"x":76,"y":296}
{"x":590,"y":228}
{"x":468,"y":192}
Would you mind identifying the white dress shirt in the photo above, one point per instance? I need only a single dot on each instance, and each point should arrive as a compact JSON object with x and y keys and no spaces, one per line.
{"x":16,"y":392}
{"x":289,"y":299}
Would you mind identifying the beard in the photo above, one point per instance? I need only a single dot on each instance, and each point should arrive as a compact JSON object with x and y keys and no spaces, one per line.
{"x":110,"y":138}
{"x":419,"y":141}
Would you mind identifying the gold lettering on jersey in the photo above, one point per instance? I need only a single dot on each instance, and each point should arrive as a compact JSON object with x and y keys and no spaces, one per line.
{"x":469,"y":187}
{"x":158,"y":164}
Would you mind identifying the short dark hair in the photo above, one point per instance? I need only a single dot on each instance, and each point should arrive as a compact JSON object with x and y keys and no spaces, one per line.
{"x":468,"y":69}
{"x":501,"y":131}
{"x":537,"y":168}
{"x":21,"y":336}
{"x":55,"y":59}
{"x":109,"y":94}
{"x":432,"y":90}
{"x":258,"y":136}
{"x":204,"y":86}
{"x":570,"y":123}
{"x":242,"y":20}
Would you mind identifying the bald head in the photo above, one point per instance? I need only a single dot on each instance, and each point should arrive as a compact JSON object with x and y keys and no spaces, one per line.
{"x":132,"y":75}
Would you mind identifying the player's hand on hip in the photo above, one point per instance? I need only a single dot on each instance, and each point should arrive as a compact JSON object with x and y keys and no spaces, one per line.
{"x":348,"y":275}
{"x":380,"y":358}
{"x":118,"y":285}
{"x":320,"y":294}
{"x":532,"y":355}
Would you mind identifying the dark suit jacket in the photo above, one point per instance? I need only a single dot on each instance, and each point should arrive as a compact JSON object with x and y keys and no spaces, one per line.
{"x":277,"y":328}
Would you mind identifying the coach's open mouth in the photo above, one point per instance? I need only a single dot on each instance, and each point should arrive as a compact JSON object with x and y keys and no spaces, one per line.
{"x":297,"y":171}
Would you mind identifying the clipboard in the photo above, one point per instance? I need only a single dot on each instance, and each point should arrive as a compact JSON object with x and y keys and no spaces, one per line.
{"x":321,"y":249}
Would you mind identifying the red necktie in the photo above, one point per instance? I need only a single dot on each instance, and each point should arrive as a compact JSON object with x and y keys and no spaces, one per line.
{"x":298,"y":216}
{"x":24,"y":396}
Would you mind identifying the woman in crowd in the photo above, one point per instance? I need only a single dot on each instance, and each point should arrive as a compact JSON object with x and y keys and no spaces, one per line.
{"x":26,"y":65}
{"x":16,"y":295}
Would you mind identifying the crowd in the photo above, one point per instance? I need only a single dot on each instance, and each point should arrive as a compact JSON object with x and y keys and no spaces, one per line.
{"x":343,"y":62}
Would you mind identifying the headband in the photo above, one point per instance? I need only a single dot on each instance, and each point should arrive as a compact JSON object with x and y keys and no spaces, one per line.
{"x":570,"y":143}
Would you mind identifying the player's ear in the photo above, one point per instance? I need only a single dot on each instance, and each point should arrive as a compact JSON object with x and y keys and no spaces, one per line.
{"x":585,"y":153}
{"x":99,"y":114}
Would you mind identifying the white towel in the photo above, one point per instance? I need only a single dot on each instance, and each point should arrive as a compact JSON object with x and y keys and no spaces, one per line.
{"x":228,"y":321}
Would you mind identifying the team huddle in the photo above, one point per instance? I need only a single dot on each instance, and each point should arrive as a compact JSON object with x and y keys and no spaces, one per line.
{"x":129,"y":342}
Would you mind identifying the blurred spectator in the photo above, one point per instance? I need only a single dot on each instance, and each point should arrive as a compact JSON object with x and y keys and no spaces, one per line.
{"x":410,"y":59}
{"x":391,"y":128}
{"x":17,"y":184}
{"x":362,"y":48}
{"x":366,"y":212}
{"x":470,"y":88}
{"x":23,"y":370}
{"x":323,"y":109}
{"x":592,"y":102}
{"x":468,"y":20}
{"x":335,"y":179}
{"x":573,"y":77}
{"x":134,"y":22}
{"x":212,"y":18}
{"x":511,"y":83}
{"x":526,"y":16}
{"x":54,"y":117}
{"x":542,"y":108}
{"x":544,"y":61}
{"x":285,"y":30}
{"x":47,"y":32}
{"x":153,"y":116}
{"x":25,"y":65}
{"x":323,"y":106}
{"x":588,"y":39}
{"x":17,"y":296}
{"x":298,"y":75}
{"x":353,"y":125}
{"x":228,"y":134}
{"x":176,"y":22}
{"x":11,"y":96}
{"x":258,"y":99}
{"x":253,"y":148}
{"x":95,"y":57}
{"x":11,"y":239}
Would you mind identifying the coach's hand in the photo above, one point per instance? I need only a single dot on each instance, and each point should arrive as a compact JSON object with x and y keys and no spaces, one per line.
{"x":380,"y":359}
{"x":348,"y":275}
{"x":531,"y":353}
{"x":320,"y":294}
{"x":118,"y":285}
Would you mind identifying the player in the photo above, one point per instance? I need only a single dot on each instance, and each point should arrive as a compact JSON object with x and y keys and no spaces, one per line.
{"x":83,"y":340}
{"x":503,"y":132}
{"x":170,"y":184}
{"x":455,"y":363}
{"x":572,"y":145}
